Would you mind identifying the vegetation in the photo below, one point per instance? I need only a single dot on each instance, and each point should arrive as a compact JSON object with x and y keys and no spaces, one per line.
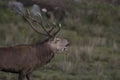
{"x":93,"y":30}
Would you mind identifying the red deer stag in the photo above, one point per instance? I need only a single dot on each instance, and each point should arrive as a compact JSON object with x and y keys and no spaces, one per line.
{"x":23,"y":59}
{"x":57,"y":7}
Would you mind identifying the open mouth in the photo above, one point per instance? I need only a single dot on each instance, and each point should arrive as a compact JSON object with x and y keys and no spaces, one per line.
{"x":66,"y":48}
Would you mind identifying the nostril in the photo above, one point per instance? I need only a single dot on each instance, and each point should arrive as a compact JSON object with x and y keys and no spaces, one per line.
{"x":67,"y":44}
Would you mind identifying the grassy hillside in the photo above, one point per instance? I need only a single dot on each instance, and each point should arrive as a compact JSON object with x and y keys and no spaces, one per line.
{"x":94,"y":32}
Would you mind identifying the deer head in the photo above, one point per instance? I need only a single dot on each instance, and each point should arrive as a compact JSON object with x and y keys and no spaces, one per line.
{"x":59,"y":44}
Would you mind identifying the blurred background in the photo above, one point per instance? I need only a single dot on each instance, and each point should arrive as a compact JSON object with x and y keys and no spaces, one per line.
{"x":93,"y":29}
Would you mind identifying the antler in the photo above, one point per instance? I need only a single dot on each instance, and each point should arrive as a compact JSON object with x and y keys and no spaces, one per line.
{"x":19,"y":8}
{"x":49,"y":33}
{"x":29,"y":19}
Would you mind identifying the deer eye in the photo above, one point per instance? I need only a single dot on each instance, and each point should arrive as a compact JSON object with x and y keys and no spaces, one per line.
{"x":57,"y":39}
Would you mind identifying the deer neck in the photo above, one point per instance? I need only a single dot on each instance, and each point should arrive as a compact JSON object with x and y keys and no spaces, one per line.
{"x":44,"y":53}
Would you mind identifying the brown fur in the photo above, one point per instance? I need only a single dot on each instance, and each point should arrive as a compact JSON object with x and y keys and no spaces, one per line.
{"x":23,"y":59}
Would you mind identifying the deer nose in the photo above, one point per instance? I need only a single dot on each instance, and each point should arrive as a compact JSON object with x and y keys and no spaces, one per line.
{"x":67,"y":44}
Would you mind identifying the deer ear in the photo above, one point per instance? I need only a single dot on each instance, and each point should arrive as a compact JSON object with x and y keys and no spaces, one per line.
{"x":51,"y":39}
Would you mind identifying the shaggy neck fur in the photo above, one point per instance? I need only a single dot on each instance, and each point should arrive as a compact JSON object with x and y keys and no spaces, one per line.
{"x":44,"y":52}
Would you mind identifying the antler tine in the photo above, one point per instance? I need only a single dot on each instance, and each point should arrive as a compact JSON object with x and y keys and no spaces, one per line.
{"x":24,"y":15}
{"x":58,"y":30}
{"x":41,"y":23}
{"x":29,"y":21}
{"x":55,"y":25}
{"x":49,"y":33}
